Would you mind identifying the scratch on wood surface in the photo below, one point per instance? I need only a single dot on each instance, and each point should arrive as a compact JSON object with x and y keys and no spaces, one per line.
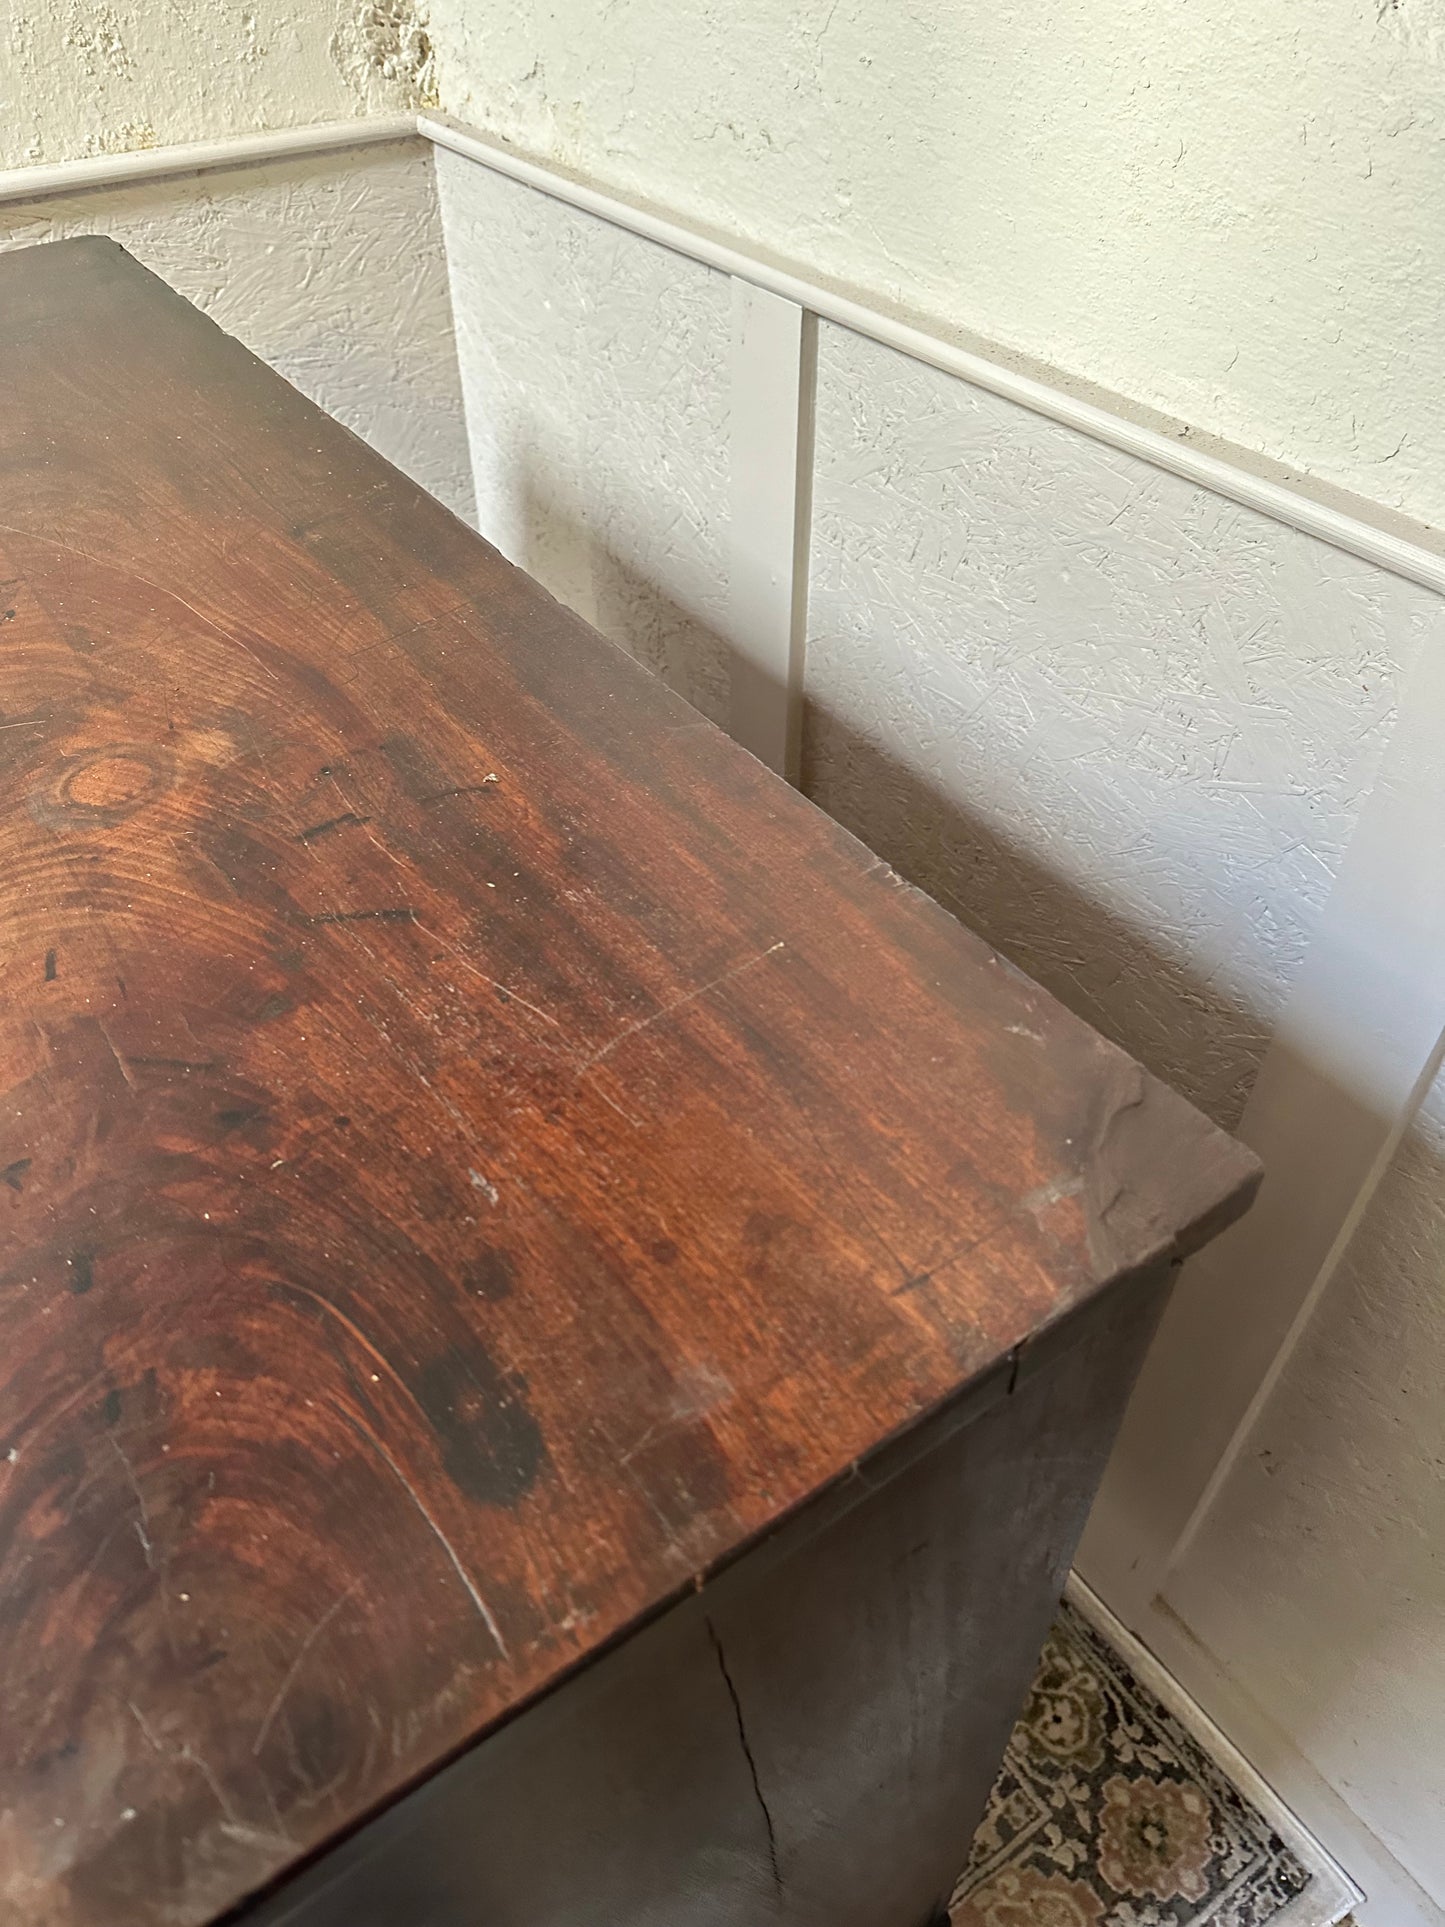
{"x":484,"y":1612}
{"x":363,"y":823}
{"x":120,"y":1060}
{"x":646,"y":1023}
{"x":295,"y":1667}
{"x":134,"y":575}
{"x":922,"y":1278}
{"x":374,"y":1356}
{"x":642,"y":1444}
{"x":143,"y":1523}
{"x":203,"y":1768}
{"x":613,"y":1105}
{"x":140,"y":1721}
{"x":697,"y":1394}
{"x":853,"y":1189}
{"x":257,"y":1837}
{"x":1067,"y":1185}
{"x":507,"y":991}
{"x":459,"y":789}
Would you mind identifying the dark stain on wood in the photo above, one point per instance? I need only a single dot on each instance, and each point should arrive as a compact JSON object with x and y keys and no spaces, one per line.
{"x":492,"y":1446}
{"x":490,"y":1275}
{"x":388,"y":914}
{"x":332,"y":824}
{"x":494,"y":1151}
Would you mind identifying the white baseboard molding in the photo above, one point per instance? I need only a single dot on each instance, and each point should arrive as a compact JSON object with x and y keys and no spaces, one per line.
{"x":1331,"y":1892}
{"x":1303,"y":1808}
{"x":44,"y":182}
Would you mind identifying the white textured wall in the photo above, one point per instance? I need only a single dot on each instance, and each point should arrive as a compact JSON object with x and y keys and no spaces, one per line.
{"x":81,"y":77}
{"x":595,"y":372}
{"x":1319,"y":1575}
{"x":330,"y":268}
{"x":1121,"y":726}
{"x":1227,"y":212}
{"x":1126,"y":729}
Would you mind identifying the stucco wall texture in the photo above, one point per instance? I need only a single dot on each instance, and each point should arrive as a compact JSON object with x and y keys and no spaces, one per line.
{"x":79,"y":78}
{"x":1120,"y":726}
{"x":1319,"y":1573}
{"x":595,"y":371}
{"x":1228,"y":213}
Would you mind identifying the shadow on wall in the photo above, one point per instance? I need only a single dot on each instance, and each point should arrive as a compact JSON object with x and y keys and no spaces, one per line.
{"x":551,"y":536}
{"x":1096,"y":962}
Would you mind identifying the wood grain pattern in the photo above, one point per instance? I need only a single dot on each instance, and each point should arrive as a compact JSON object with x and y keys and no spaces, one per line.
{"x":808,"y":1742}
{"x":477,"y":1149}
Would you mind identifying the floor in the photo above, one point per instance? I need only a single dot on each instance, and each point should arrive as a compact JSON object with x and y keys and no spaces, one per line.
{"x":1118,"y":1806}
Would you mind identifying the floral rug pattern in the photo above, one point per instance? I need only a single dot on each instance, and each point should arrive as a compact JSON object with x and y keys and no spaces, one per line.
{"x":1107,"y":1814}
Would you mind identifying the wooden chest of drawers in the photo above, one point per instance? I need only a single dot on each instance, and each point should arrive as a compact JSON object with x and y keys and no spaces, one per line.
{"x":560,"y":1322}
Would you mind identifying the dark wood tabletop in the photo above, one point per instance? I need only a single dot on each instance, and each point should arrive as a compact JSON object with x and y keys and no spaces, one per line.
{"x":478,"y":1150}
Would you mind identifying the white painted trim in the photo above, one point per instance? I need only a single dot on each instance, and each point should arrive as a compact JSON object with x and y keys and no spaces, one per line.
{"x":1391,"y":1896}
{"x":770,"y":426}
{"x":198,"y":157}
{"x":1353,"y":1056}
{"x":1289,"y":505}
{"x":1355,"y":537}
{"x":1331,"y":1892}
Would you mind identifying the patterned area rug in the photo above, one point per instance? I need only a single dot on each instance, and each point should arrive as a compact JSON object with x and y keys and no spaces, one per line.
{"x":1107,"y":1814}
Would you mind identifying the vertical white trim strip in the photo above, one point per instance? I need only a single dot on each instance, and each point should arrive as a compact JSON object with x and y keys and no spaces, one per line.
{"x":771,"y":457}
{"x":1353,"y":1057}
